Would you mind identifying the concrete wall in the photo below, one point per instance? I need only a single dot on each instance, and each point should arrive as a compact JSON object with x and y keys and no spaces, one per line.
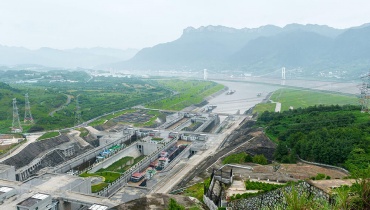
{"x":128,"y":151}
{"x":148,"y":148}
{"x":63,"y":168}
{"x":271,"y":199}
{"x":7,"y":172}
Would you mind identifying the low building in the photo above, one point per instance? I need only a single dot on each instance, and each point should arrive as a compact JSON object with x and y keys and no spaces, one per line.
{"x":6,"y":192}
{"x":37,"y":201}
{"x":137,"y":177}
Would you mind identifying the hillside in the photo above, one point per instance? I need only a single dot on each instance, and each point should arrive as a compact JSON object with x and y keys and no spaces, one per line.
{"x":334,"y":135}
{"x":313,"y":48}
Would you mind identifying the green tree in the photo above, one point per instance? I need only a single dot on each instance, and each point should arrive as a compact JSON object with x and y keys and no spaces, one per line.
{"x":260,"y":159}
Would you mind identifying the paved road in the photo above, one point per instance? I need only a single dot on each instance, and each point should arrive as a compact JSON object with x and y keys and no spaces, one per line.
{"x":69,"y":97}
{"x":172,"y":179}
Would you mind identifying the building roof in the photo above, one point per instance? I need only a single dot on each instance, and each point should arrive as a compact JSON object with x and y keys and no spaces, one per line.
{"x":33,"y":200}
{"x":98,"y":207}
{"x":137,"y":174}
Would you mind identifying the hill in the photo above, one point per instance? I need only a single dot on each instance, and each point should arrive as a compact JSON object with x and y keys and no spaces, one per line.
{"x":313,"y":48}
{"x":71,"y":58}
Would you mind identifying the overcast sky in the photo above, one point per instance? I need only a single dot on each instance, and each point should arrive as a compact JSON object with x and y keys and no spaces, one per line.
{"x":137,"y":24}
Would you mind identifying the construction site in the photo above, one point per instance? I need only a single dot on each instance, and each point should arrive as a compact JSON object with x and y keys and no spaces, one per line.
{"x":117,"y":165}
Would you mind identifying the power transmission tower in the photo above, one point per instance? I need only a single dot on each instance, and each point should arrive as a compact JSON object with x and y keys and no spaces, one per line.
{"x":364,"y":93}
{"x":27,"y":110}
{"x":77,"y":113}
{"x":16,"y":125}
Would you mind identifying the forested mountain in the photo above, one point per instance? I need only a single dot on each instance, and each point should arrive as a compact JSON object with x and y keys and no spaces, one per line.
{"x":78,"y":57}
{"x":311,"y":47}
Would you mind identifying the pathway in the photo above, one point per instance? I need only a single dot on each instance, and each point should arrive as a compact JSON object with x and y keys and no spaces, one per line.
{"x":30,"y":138}
{"x":69,"y":97}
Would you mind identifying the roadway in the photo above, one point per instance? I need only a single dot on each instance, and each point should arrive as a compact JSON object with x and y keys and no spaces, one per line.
{"x":187,"y":165}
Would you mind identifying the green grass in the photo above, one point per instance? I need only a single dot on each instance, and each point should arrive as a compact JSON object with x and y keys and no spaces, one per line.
{"x":118,"y":165}
{"x":189,"y":92}
{"x":260,"y":108}
{"x":84,"y":132}
{"x":48,"y":135}
{"x":98,"y":187}
{"x":195,"y":191}
{"x":108,"y":176}
{"x":305,"y":98}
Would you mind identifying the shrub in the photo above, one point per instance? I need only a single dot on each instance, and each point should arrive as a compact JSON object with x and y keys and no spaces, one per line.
{"x":260,"y":159}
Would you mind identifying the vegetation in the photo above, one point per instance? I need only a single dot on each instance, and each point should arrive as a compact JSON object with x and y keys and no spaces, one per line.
{"x":197,"y":190}
{"x":98,"y":187}
{"x":237,"y":158}
{"x":260,"y":159}
{"x":320,"y":177}
{"x":173,"y":205}
{"x":108,"y":177}
{"x":54,"y":97}
{"x":261,"y":186}
{"x":84,"y":132}
{"x":244,"y":158}
{"x":260,"y":108}
{"x":298,"y":98}
{"x":243,"y":196}
{"x":119,"y":165}
{"x":48,"y":135}
{"x":188,"y":93}
{"x":336,"y":135}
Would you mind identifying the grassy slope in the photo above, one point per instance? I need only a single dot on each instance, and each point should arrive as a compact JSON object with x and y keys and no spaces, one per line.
{"x":189,"y":92}
{"x":303,"y":98}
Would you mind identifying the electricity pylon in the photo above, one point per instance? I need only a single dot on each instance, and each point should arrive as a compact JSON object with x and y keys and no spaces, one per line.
{"x":364,"y":93}
{"x":27,"y":111}
{"x":16,"y":125}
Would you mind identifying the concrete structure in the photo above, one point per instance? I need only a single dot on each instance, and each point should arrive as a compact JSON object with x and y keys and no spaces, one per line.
{"x":37,"y":201}
{"x":193,"y":137}
{"x":7,"y":172}
{"x":68,"y":165}
{"x":50,"y":191}
{"x":6,"y":192}
{"x":147,"y":148}
{"x":131,"y":150}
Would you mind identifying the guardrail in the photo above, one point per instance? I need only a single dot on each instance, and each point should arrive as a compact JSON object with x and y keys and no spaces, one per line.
{"x":324,"y":165}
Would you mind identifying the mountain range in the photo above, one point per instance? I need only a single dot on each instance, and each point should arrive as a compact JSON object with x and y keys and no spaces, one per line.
{"x":70,"y":58}
{"x":313,"y":48}
{"x":310,"y":48}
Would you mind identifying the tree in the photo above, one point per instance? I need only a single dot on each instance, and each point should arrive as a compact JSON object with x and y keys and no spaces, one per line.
{"x":260,"y":159}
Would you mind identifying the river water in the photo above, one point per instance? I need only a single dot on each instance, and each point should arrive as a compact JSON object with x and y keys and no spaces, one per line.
{"x":247,"y":91}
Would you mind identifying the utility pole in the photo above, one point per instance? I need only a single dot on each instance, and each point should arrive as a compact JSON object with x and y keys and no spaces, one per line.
{"x":16,"y":125}
{"x":27,"y":111}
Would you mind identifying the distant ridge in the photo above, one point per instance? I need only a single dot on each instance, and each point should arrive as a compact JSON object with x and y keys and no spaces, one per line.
{"x":72,"y":58}
{"x":312,"y":47}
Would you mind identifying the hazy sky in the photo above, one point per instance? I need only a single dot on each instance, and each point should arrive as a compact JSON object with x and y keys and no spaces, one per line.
{"x":124,"y":24}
